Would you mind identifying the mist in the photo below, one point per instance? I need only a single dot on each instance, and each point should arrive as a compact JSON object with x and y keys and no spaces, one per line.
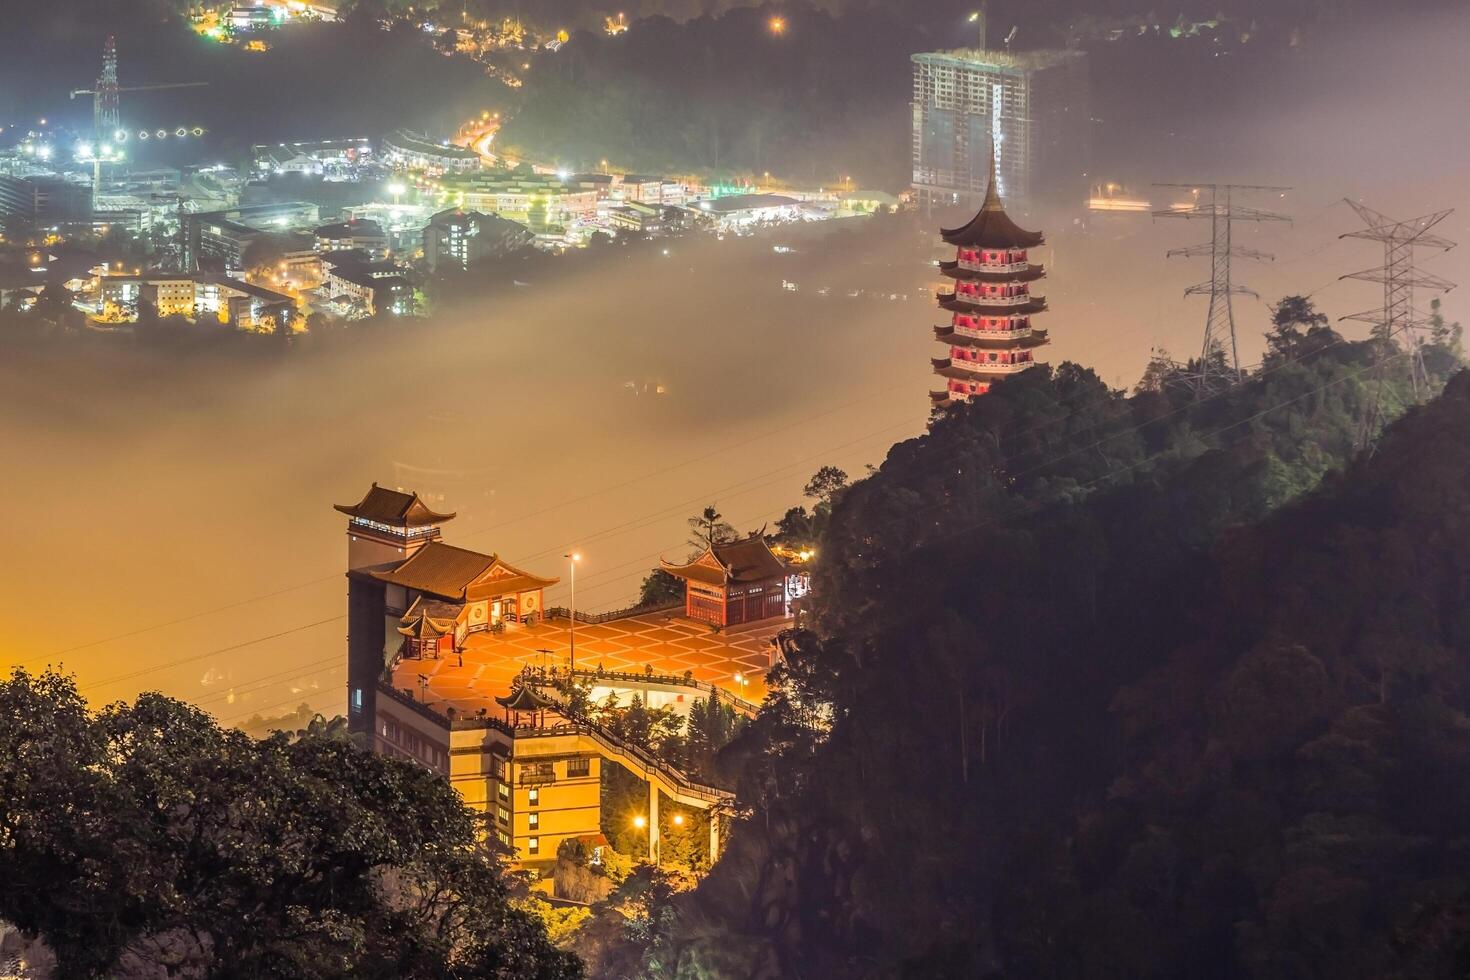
{"x":173,"y":511}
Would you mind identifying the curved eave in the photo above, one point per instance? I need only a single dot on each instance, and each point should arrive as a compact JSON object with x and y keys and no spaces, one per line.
{"x":992,"y":229}
{"x":1036,"y":338}
{"x":953,"y":304}
{"x":953,"y":270}
{"x":944,"y":367}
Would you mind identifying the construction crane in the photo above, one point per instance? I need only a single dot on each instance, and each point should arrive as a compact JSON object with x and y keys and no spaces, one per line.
{"x":141,"y":88}
{"x":106,"y":119}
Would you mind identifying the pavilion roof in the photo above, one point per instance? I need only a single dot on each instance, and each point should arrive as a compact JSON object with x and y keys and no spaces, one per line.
{"x":748,"y":560}
{"x":523,"y":698}
{"x":460,"y":574}
{"x":992,"y":227}
{"x":1036,"y":338}
{"x":430,"y":618}
{"x":384,"y":506}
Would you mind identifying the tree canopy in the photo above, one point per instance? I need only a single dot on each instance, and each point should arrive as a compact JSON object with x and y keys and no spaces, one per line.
{"x":145,"y":837}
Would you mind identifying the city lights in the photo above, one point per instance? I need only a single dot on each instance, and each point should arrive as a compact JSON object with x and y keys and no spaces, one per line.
{"x":777,"y":25}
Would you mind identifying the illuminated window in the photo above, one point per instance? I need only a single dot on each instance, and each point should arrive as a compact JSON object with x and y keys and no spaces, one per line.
{"x":533,"y":795}
{"x":502,"y":791}
{"x":503,"y":815}
{"x":533,"y":845}
{"x":535,"y":820}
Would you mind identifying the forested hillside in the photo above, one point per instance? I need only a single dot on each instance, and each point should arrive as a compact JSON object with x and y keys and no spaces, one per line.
{"x":1123,"y":687}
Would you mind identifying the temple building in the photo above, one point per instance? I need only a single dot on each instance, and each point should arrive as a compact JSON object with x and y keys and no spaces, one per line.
{"x":990,"y":333}
{"x":737,"y":582}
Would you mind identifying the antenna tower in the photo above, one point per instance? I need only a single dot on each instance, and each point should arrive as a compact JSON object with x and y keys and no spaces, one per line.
{"x":1399,"y":279}
{"x":1215,"y":204}
{"x":106,"y":117}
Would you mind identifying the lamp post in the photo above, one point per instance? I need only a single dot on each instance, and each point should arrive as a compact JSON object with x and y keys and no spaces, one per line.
{"x":572,"y":559}
{"x":740,"y":679}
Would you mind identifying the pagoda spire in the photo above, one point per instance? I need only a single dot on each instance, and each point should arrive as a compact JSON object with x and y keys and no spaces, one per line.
{"x":990,"y":334}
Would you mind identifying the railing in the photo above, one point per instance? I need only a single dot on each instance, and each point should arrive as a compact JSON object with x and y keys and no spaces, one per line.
{"x":592,"y":619}
{"x":984,"y":267}
{"x":995,"y":367}
{"x":647,"y":760}
{"x":976,"y":299}
{"x":983,"y":334}
{"x":740,"y":704}
{"x":536,"y":779}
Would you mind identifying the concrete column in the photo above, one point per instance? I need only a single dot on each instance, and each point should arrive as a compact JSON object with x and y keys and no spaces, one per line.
{"x":714,"y":835}
{"x":653,"y":822}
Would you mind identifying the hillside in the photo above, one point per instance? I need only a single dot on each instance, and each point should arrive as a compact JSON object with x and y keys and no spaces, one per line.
{"x":1115,"y":693}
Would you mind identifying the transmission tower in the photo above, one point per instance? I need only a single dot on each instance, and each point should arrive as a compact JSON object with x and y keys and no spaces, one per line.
{"x":1216,"y":205}
{"x":106,"y":118}
{"x":1397,"y":275}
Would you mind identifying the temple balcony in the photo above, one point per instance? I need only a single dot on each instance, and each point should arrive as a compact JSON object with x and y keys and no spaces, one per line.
{"x":995,"y":267}
{"x":977,"y":299}
{"x":990,"y":367}
{"x":976,"y":333}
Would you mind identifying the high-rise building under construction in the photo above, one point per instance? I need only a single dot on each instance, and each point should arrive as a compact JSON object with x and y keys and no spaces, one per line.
{"x":1030,"y":109}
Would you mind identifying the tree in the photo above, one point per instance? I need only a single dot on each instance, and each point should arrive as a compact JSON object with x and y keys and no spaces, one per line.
{"x":1297,"y":329}
{"x":146,"y":836}
{"x":659,"y":587}
{"x":825,"y":484}
{"x":709,"y":529}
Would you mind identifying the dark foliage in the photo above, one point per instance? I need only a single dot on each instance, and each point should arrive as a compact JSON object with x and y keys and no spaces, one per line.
{"x":146,"y":837}
{"x":1106,"y":688}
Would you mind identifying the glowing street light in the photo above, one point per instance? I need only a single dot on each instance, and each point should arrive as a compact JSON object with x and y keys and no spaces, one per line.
{"x":572,"y":559}
{"x":396,"y":189}
{"x":640,"y":821}
{"x":740,"y":679}
{"x":678,"y":820}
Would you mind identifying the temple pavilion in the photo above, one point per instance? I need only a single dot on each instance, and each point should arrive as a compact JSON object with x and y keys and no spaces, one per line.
{"x":989,"y":333}
{"x":744,"y":581}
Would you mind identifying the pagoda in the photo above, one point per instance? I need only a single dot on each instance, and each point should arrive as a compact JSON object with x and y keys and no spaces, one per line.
{"x":989,"y":333}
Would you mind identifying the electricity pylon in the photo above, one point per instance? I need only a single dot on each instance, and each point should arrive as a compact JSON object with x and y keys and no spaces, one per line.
{"x":1217,"y":206}
{"x":1398,"y":317}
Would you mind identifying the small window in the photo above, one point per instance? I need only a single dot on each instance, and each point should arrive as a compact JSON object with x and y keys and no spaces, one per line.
{"x":578,"y":767}
{"x":503,"y":837}
{"x":533,"y":845}
{"x":503,"y":815}
{"x":535,"y":819}
{"x":503,"y":792}
{"x":533,"y":795}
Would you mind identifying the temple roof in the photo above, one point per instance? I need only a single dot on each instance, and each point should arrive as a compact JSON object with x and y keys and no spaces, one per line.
{"x":992,"y":227}
{"x":458,"y":573}
{"x":1031,"y":273}
{"x":523,"y":698}
{"x":430,"y":618}
{"x":1036,"y":338}
{"x":748,"y":560}
{"x":954,"y":303}
{"x":384,"y":506}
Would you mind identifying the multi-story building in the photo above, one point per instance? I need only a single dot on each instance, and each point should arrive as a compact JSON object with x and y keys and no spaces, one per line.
{"x":653,"y":190}
{"x":170,"y":294}
{"x":990,"y":334}
{"x":242,"y":303}
{"x":416,"y":151}
{"x":462,"y":238}
{"x":1028,"y":111}
{"x":224,"y":235}
{"x":353,"y":233}
{"x":44,"y":201}
{"x":357,"y":289}
{"x":538,"y":201}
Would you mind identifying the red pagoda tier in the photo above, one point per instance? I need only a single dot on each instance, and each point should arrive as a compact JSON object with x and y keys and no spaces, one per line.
{"x":989,"y":333}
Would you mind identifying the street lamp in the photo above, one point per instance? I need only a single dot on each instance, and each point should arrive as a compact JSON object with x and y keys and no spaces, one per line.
{"x":740,"y":679}
{"x":396,"y":189}
{"x":640,"y":821}
{"x":572,"y":559}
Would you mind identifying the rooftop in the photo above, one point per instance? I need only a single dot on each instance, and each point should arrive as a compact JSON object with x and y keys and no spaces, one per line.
{"x":667,"y":643}
{"x":1005,"y":60}
{"x":385,"y":506}
{"x":457,"y":573}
